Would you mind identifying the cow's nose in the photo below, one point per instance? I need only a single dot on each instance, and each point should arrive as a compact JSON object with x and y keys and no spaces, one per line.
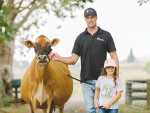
{"x":42,"y":59}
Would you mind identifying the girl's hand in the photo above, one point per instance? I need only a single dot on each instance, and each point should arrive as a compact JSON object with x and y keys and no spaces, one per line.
{"x":106,"y":106}
{"x":96,"y":103}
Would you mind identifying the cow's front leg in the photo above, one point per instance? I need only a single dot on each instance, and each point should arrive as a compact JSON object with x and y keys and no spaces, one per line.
{"x":33,"y":105}
{"x":44,"y":110}
{"x":61,"y":109}
{"x":50,"y":104}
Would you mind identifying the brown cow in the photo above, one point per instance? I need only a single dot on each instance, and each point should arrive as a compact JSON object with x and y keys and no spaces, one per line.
{"x":44,"y":85}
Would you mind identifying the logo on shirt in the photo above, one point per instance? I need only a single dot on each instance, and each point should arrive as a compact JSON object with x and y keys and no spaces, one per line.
{"x":100,"y":39}
{"x":106,"y":91}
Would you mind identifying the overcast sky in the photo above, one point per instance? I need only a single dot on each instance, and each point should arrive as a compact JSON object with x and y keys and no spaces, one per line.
{"x":128,"y":23}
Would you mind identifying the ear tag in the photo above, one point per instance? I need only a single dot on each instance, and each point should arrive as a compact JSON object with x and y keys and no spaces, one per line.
{"x":29,"y":45}
{"x":54,"y":44}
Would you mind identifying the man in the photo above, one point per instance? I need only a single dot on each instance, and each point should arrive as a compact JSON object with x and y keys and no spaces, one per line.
{"x":92,"y":46}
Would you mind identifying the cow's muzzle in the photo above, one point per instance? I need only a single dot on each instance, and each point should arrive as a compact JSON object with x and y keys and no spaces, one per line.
{"x":42,"y":59}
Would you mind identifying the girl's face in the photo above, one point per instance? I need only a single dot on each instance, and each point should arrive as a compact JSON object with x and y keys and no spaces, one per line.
{"x":110,"y":70}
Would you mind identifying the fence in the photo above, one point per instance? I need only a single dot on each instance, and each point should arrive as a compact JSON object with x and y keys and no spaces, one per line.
{"x":138,"y":93}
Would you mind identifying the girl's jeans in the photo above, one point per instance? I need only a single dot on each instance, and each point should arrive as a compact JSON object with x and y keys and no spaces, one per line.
{"x":101,"y":110}
{"x":88,"y":93}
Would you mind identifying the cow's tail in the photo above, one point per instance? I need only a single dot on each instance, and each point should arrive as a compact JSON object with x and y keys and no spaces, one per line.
{"x":17,"y":101}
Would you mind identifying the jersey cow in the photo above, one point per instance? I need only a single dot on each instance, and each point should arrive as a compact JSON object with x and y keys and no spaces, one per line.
{"x":44,"y":84}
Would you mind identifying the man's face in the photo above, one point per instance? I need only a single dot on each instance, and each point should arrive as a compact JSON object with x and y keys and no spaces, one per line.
{"x":91,"y":20}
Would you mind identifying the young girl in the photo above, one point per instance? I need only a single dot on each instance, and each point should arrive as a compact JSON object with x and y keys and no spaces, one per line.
{"x":110,"y":87}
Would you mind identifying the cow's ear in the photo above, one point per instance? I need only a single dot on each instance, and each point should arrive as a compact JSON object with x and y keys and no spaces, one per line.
{"x":55,"y":41}
{"x":29,"y":44}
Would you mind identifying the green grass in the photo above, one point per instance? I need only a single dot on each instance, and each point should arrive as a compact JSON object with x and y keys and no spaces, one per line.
{"x":123,"y":108}
{"x":16,"y":109}
{"x":6,"y":100}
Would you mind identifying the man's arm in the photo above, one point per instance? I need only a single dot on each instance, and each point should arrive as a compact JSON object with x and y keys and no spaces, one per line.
{"x":115,"y":57}
{"x":67,"y":60}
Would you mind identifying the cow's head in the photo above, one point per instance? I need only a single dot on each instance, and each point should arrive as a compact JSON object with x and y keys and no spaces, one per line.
{"x":42,"y":47}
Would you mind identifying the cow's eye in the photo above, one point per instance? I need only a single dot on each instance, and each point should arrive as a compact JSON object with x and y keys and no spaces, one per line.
{"x":35,"y":47}
{"x":49,"y":47}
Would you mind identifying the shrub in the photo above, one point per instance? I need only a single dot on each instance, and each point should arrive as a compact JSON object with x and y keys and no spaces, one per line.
{"x":147,"y":67}
{"x":6,"y":100}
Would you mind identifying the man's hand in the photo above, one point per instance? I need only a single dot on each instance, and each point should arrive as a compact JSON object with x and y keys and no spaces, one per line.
{"x":96,"y":103}
{"x":54,"y":55}
{"x":106,"y":106}
{"x":67,"y":60}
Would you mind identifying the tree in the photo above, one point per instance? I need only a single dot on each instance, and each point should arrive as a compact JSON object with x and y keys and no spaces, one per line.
{"x":147,"y":67}
{"x":1,"y":3}
{"x":142,"y":1}
{"x":17,"y":16}
{"x":130,"y":57}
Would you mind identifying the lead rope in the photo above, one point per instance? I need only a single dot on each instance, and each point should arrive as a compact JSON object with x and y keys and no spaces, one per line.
{"x":71,"y":76}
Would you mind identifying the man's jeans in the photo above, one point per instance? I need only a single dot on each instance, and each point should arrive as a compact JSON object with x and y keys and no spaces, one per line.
{"x":88,"y":93}
{"x":101,"y":110}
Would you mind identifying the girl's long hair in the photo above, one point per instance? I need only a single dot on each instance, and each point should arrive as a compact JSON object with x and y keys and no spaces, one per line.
{"x":103,"y":73}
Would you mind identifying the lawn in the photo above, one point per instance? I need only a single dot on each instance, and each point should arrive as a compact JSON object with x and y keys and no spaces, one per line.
{"x":123,"y":108}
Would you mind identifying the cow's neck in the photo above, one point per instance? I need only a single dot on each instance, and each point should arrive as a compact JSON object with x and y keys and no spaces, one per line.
{"x":41,"y":72}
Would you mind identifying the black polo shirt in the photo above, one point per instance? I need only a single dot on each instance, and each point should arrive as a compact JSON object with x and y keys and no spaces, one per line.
{"x":93,"y":52}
